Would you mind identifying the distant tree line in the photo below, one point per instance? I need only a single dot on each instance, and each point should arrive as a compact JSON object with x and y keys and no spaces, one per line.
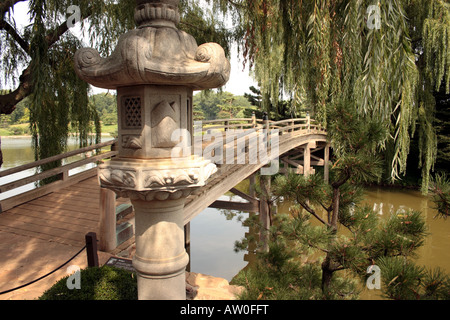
{"x":104,"y":104}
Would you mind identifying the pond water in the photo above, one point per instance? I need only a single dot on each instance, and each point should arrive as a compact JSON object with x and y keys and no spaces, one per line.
{"x":18,"y":151}
{"x":214,"y":231}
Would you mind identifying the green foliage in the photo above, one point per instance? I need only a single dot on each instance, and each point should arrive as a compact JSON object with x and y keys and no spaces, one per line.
{"x":286,"y":281}
{"x":400,"y":235}
{"x":106,"y":107}
{"x":97,"y":283}
{"x":231,"y":106}
{"x":298,"y":246}
{"x":350,"y":237}
{"x":221,"y":105}
{"x":442,"y":125}
{"x":318,"y":52}
{"x":301,"y":189}
{"x":403,"y":280}
{"x":440,"y":194}
{"x":349,"y":132}
{"x":282,"y":110}
{"x":436,"y":43}
{"x":204,"y":25}
{"x":22,"y":112}
{"x":284,"y":272}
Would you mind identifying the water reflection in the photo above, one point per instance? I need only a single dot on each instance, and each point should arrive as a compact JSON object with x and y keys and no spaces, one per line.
{"x":16,"y":151}
{"x":213,"y":235}
{"x":435,"y":252}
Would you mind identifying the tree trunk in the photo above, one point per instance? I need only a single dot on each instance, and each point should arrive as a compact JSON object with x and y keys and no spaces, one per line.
{"x":1,"y":154}
{"x":9,"y":101}
{"x":327,"y":275}
{"x":264,"y":212}
{"x":335,"y":215}
{"x":327,"y":268}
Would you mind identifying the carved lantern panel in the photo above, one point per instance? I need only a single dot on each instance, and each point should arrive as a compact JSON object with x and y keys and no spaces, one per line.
{"x":151,"y":120}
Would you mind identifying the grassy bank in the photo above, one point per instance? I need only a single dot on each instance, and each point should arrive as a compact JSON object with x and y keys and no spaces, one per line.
{"x":23,"y":129}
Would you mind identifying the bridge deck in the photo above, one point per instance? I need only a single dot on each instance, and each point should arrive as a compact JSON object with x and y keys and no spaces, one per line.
{"x":64,"y":216}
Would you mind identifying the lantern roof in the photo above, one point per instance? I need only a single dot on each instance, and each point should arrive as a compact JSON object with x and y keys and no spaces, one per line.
{"x":155,"y":52}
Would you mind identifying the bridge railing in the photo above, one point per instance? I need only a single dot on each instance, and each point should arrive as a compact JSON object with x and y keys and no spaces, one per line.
{"x":288,"y":125}
{"x":248,"y":128}
{"x":69,"y":173}
{"x":220,"y":137}
{"x":226,"y":124}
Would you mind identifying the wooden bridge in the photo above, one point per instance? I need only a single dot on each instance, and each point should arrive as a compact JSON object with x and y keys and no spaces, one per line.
{"x":65,"y":210}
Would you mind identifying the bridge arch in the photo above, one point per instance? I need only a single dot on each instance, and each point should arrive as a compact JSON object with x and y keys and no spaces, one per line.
{"x":297,"y":138}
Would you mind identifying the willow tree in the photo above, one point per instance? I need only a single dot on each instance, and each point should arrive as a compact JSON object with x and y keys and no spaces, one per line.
{"x":37,"y":60}
{"x":387,"y":55}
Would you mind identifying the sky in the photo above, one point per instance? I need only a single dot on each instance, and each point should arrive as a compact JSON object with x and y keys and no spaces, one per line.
{"x":240,"y":80}
{"x":238,"y":84}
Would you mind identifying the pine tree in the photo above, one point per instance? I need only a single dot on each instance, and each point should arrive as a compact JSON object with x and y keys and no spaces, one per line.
{"x":328,"y":260}
{"x":440,"y":194}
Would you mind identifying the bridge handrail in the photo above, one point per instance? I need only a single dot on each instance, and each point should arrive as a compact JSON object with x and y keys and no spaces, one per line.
{"x":35,"y":164}
{"x":290,"y":125}
{"x":283,"y":125}
{"x":62,"y":172}
{"x":225,"y":120}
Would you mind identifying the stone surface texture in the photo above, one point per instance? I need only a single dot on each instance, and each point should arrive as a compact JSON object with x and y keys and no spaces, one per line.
{"x":205,"y":287}
{"x":155,"y":68}
{"x":156,"y":52}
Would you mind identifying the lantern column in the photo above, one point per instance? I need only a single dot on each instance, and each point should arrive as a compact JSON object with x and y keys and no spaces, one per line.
{"x":155,"y":68}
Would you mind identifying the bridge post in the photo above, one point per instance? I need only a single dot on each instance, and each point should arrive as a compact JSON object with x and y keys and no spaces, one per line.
{"x":107,"y":223}
{"x":308,"y":121}
{"x":326,"y":166}
{"x":251,"y":187}
{"x":155,"y":69}
{"x":307,"y":160}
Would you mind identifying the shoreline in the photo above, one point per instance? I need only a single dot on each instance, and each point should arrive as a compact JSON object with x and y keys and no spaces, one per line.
{"x":29,"y":136}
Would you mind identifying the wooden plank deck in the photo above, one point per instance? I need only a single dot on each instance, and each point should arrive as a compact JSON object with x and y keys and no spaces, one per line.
{"x":63,"y":216}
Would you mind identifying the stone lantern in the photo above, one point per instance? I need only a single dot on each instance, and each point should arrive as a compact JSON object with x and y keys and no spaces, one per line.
{"x":155,"y":68}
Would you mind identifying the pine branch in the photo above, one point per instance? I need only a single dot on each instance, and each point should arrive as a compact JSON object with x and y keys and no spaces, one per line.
{"x":318,"y":248}
{"x":311,"y":211}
